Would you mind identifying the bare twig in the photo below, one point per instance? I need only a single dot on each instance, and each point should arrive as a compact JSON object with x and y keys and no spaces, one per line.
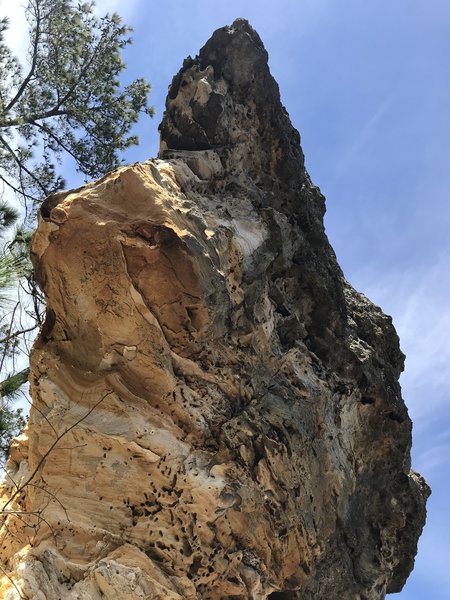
{"x":49,"y":450}
{"x":17,"y":334}
{"x":45,"y":418}
{"x":12,"y":582}
{"x":53,"y":496}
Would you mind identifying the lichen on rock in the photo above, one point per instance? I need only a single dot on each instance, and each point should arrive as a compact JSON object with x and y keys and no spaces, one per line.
{"x":216,"y":411}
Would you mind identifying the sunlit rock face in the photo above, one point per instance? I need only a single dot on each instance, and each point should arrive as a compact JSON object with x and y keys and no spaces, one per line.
{"x":216,"y":411}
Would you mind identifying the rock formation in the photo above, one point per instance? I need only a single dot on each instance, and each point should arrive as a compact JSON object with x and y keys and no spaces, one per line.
{"x":216,"y":411}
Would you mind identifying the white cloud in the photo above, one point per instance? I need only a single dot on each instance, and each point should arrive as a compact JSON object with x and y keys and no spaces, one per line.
{"x":417,"y":299}
{"x":432,"y":458}
{"x":351,"y":154}
{"x":16,"y":35}
{"x":125,"y":9}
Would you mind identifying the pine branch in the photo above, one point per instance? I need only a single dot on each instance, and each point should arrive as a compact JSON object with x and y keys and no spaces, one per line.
{"x":16,"y":334}
{"x":22,"y":167}
{"x":12,"y":383}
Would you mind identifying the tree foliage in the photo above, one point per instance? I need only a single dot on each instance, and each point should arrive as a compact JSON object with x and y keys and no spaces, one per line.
{"x":14,"y":264}
{"x":67,"y":101}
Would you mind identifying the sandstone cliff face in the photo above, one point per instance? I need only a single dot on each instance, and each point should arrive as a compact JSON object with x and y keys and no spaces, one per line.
{"x":216,"y":412}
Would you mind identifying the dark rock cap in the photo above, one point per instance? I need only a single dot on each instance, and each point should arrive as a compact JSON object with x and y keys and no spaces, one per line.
{"x":226,"y":99}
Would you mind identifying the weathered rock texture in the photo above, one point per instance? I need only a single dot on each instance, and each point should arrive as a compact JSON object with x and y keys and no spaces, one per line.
{"x":234,"y":423}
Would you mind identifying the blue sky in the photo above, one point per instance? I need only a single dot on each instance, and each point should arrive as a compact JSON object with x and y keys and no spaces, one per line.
{"x":367,"y":84}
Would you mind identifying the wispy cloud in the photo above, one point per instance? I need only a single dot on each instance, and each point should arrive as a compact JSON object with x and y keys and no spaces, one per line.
{"x":417,"y":298}
{"x":124,"y":9}
{"x":432,"y":458}
{"x":351,"y":154}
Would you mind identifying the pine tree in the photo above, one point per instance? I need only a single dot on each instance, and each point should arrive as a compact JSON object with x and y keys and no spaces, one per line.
{"x":12,"y":267}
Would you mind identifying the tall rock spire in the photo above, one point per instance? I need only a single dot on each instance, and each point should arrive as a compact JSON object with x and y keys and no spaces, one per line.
{"x":226,"y":100}
{"x":216,"y":411}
